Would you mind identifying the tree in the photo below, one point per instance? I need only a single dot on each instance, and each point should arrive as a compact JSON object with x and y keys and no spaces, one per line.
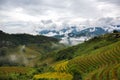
{"x":115,"y":31}
{"x":2,"y":52}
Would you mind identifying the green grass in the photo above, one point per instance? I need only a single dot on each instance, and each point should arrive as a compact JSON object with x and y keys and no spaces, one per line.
{"x":16,"y":73}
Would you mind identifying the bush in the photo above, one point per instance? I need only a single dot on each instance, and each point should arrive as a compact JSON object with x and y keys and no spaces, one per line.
{"x":75,"y":72}
{"x":67,"y":53}
{"x":96,"y":47}
{"x":3,"y":52}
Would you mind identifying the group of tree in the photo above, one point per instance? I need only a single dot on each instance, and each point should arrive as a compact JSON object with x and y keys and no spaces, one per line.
{"x":23,"y":39}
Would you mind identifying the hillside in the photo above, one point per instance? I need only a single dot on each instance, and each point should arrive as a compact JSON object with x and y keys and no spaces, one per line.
{"x":87,"y":47}
{"x":25,"y":49}
{"x":23,"y":39}
{"x":95,"y":59}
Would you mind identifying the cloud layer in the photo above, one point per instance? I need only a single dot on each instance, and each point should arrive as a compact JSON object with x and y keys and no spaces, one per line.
{"x":24,"y":15}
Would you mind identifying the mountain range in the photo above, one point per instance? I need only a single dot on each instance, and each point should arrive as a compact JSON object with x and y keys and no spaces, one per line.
{"x":73,"y":35}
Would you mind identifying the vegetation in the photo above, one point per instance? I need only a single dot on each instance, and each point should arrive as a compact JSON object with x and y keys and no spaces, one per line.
{"x":16,"y":73}
{"x":23,"y":39}
{"x":89,"y":63}
{"x":95,"y":59}
{"x":54,"y":76}
{"x":25,"y":49}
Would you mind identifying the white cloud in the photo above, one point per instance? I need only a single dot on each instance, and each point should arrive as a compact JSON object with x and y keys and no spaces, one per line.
{"x":51,"y":34}
{"x":84,"y":12}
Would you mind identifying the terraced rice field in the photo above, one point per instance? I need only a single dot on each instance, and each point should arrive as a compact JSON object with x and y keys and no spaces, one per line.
{"x":101,"y":66}
{"x":7,"y":70}
{"x":104,"y":65}
{"x":54,"y":76}
{"x":105,"y":73}
{"x":61,"y":66}
{"x":59,"y":74}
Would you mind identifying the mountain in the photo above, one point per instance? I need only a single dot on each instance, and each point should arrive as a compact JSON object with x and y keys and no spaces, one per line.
{"x":25,"y":49}
{"x":28,"y":57}
{"x":76,"y":34}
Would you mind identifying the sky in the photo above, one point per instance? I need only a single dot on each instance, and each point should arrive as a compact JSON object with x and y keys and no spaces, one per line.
{"x":24,"y":16}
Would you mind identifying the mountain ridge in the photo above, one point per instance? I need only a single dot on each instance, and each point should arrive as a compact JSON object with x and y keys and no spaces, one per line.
{"x":69,"y":35}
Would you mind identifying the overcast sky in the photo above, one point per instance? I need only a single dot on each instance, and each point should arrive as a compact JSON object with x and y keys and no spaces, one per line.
{"x":25,"y":15}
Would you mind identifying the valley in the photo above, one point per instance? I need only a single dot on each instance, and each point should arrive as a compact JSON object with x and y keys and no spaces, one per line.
{"x":28,"y":57}
{"x":59,"y":39}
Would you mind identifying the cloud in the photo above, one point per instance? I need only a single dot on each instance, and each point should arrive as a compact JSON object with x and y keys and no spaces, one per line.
{"x":46,"y":21}
{"x":54,"y":13}
{"x":116,"y":2}
{"x":105,"y":22}
{"x":18,"y":27}
{"x":55,"y":9}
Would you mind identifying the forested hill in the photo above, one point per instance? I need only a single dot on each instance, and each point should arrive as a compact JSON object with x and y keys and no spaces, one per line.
{"x":25,"y":49}
{"x":23,"y":39}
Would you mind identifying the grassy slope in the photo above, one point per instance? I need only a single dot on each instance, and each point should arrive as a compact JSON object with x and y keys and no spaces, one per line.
{"x":16,"y":73}
{"x":97,"y":59}
{"x":86,"y":48}
{"x":95,"y":43}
